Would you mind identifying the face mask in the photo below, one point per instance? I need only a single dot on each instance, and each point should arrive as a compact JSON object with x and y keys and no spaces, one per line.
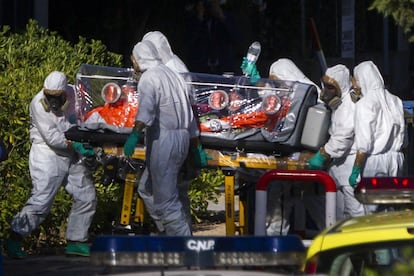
{"x":136,"y":76}
{"x":355,"y":91}
{"x":334,"y":103}
{"x":54,"y":103}
{"x":331,"y":92}
{"x":355,"y":96}
{"x":329,"y":96}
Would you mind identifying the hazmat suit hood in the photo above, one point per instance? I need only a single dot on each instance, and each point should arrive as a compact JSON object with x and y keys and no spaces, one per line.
{"x":368,"y":77}
{"x":165,"y":52}
{"x":146,"y":55}
{"x":55,"y":88}
{"x":55,"y":83}
{"x":340,"y":73}
{"x":285,"y":69}
{"x":161,"y":43}
{"x":336,"y":85}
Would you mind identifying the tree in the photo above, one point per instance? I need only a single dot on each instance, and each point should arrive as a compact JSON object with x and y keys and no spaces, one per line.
{"x":402,"y":11}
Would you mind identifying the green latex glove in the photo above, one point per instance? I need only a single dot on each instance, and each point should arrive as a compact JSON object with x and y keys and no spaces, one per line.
{"x":81,"y":149}
{"x":131,"y":142}
{"x":317,"y":162}
{"x":255,"y":76}
{"x":244,"y":65}
{"x":353,"y":178}
{"x":250,"y":70}
{"x":200,"y":157}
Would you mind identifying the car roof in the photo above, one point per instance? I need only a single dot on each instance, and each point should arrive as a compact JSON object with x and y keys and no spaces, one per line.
{"x":375,"y":222}
{"x":379,"y":227}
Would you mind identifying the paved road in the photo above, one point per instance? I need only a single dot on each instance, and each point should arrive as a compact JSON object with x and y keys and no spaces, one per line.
{"x":49,"y":265}
{"x":59,"y":264}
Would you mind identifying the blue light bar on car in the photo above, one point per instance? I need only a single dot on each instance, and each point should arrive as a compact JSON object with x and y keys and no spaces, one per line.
{"x":200,"y":252}
{"x":385,"y":190}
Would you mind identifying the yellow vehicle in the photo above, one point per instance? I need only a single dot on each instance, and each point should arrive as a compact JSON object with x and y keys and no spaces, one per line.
{"x":376,"y":244}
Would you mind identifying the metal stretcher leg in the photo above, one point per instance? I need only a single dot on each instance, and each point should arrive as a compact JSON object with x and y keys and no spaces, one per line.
{"x":242,"y":217}
{"x":139,"y":211}
{"x":127,"y":206}
{"x":127,"y":199}
{"x":229,"y":200}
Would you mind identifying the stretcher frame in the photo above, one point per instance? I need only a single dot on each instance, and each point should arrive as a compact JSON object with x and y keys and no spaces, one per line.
{"x":228,"y":162}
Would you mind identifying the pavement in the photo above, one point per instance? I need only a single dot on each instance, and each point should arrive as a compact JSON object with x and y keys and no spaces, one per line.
{"x":49,"y":265}
{"x":58,"y":264}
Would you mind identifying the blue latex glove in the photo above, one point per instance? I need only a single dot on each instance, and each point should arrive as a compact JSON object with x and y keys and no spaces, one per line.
{"x":200,"y":156}
{"x":355,"y":176}
{"x":317,"y":162}
{"x":131,"y":142}
{"x":81,"y":149}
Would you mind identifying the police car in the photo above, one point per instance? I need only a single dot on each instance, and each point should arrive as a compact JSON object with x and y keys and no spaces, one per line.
{"x":380,"y":243}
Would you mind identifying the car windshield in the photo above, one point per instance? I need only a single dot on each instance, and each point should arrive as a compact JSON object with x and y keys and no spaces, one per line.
{"x":382,"y":258}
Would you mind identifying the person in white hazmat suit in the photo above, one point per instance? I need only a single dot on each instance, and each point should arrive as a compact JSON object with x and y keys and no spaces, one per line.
{"x":379,"y":128}
{"x":166,"y":114}
{"x":300,"y":196}
{"x":172,"y":61}
{"x":338,"y":153}
{"x":281,"y":199}
{"x":55,"y":161}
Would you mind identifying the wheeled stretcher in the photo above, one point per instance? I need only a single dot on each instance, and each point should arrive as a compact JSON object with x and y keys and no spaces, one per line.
{"x":271,"y":124}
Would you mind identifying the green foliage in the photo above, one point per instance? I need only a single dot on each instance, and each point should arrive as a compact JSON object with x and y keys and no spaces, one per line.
{"x":203,"y":189}
{"x":109,"y":208}
{"x":402,"y":11}
{"x":25,"y":60}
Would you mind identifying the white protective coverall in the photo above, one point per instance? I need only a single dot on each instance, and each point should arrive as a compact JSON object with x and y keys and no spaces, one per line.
{"x":165,"y":109}
{"x":172,"y":61}
{"x":52,"y":164}
{"x":379,"y":124}
{"x":286,"y":194}
{"x":341,"y":147}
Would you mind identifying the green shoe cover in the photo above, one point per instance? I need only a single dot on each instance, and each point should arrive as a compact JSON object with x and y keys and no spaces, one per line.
{"x":14,"y":249}
{"x":77,"y":249}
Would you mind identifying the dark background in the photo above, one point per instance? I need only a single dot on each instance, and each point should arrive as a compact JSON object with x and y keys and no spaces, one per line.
{"x":281,"y":28}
